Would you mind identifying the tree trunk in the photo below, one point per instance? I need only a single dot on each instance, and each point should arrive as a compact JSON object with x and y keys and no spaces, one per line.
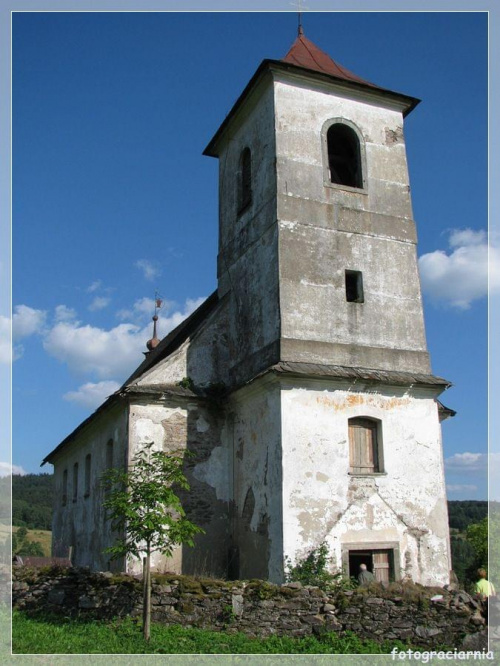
{"x":146,"y":602}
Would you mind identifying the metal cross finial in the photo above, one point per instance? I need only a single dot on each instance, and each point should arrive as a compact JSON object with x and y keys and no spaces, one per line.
{"x":158,"y":301}
{"x":299,"y":6}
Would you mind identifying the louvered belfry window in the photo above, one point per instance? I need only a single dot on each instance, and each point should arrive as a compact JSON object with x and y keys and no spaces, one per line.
{"x":363,"y":446}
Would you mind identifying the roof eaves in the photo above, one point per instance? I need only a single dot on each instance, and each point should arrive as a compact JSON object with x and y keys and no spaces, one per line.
{"x":107,"y":404}
{"x":369,"y":375}
{"x":366,"y":374}
{"x":161,"y":390}
{"x":409,"y":103}
{"x":261,"y":70}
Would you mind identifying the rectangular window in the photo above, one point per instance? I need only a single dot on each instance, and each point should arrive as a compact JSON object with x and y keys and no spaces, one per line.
{"x":364,"y":454}
{"x":87,"y":474}
{"x":354,"y":287}
{"x":75,"y":482}
{"x":65,"y":488}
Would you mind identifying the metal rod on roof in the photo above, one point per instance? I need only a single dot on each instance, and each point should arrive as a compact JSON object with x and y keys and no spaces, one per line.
{"x":299,"y":6}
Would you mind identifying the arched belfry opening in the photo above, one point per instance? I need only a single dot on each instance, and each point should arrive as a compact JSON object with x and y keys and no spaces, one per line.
{"x":344,"y":156}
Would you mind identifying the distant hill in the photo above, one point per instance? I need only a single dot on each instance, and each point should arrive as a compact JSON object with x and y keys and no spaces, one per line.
{"x":462,"y":513}
{"x":32,"y":497}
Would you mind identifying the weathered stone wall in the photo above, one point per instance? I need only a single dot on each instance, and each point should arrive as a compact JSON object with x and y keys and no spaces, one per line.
{"x":189,"y":424}
{"x":79,"y":517}
{"x":326,"y":228}
{"x":247,"y":265}
{"x":256,"y":474}
{"x":257,"y":608}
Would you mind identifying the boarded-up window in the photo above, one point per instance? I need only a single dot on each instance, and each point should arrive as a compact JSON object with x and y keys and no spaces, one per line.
{"x":245,"y":180}
{"x":88,"y":464}
{"x":364,"y":454}
{"x":75,"y":482}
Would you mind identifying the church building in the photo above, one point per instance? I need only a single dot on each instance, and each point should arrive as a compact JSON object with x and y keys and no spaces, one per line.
{"x":302,"y":385}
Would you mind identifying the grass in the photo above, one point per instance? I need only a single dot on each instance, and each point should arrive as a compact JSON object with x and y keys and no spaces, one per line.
{"x":57,"y":635}
{"x":44,"y":537}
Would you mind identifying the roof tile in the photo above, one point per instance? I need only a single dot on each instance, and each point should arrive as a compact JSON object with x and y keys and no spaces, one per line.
{"x":304,"y":53}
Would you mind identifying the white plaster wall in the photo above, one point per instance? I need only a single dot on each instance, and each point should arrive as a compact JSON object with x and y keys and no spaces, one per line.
{"x":169,"y":371}
{"x":82,"y":523}
{"x":255,"y":430}
{"x":189,"y":425}
{"x":203,"y":357}
{"x":300,"y":115}
{"x":146,"y":425}
{"x":322,"y":502}
{"x":325,"y":229}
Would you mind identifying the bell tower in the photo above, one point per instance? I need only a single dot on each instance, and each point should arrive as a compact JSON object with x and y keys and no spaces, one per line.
{"x":349,"y":284}
{"x":335,"y":424}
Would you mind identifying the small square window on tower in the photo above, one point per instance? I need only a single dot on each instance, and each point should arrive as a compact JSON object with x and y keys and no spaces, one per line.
{"x":354,"y":287}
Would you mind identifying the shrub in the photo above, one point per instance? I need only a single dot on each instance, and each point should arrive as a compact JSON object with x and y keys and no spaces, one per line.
{"x":313,"y":570}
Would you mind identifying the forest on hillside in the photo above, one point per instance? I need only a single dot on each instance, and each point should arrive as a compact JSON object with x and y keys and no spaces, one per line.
{"x":32,"y":497}
{"x":461,"y":513}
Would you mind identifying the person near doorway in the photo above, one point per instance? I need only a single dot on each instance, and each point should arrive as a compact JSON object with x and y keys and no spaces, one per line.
{"x":365,"y":577}
{"x":483,"y":588}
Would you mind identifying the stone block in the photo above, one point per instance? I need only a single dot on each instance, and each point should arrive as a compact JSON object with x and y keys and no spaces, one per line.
{"x":56,"y":597}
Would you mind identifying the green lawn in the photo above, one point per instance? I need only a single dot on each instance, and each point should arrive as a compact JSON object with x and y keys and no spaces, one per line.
{"x":63,"y":636}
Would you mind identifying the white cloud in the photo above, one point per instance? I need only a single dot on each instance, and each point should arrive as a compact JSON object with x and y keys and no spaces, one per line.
{"x":108,"y":354}
{"x":92,"y":395}
{"x":5,"y":342}
{"x":467,"y":462}
{"x":91,"y":350}
{"x":460,"y":488}
{"x":463,"y":237}
{"x":461,"y":277}
{"x":150,"y":270}
{"x":145,"y":307}
{"x":94,"y":286}
{"x":99,"y":303}
{"x":6,"y":469}
{"x":63,"y":313}
{"x":26,"y":321}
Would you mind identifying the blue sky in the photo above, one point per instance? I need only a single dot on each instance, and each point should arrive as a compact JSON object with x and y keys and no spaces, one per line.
{"x":113,"y":199}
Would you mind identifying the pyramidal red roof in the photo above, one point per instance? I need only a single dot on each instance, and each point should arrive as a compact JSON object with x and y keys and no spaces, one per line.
{"x":304,"y":53}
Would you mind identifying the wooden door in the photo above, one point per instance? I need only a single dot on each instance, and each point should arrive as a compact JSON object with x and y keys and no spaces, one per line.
{"x":381,"y":566}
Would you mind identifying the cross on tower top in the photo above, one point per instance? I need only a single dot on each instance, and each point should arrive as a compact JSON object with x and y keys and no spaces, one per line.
{"x":299,"y":6}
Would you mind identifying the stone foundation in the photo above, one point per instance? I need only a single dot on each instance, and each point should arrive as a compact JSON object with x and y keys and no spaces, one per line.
{"x":401,"y":611}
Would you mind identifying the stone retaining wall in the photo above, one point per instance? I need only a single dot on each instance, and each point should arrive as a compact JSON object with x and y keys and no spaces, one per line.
{"x":400,"y":611}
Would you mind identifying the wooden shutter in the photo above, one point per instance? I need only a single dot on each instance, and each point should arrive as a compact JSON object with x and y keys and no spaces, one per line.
{"x":381,"y":566}
{"x":363,"y":450}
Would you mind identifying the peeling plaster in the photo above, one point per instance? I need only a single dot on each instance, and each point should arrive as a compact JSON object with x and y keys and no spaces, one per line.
{"x":147,"y":431}
{"x":214,"y":472}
